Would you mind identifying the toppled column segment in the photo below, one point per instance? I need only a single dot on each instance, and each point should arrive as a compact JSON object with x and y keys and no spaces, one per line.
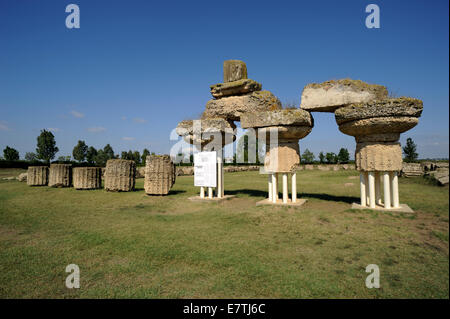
{"x":120,"y":175}
{"x":60,"y":175}
{"x":160,"y":174}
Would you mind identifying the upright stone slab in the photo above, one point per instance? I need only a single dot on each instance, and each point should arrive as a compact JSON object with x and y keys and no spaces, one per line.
{"x":120,"y":175}
{"x":87,"y":177}
{"x":37,"y":175}
{"x":160,"y":174}
{"x":60,"y":175}
{"x":234,"y":70}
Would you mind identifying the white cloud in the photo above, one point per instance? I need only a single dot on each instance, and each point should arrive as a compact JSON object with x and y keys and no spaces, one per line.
{"x":53,"y":129}
{"x":4,"y":127}
{"x":96,"y":129}
{"x":128,"y":138}
{"x":77,"y":114}
{"x":139,"y":120}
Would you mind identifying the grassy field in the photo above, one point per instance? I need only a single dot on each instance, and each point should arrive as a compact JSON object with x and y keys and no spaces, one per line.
{"x":139,"y":246}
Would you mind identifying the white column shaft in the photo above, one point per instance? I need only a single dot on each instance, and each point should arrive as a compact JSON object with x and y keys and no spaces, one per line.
{"x":275,"y":188}
{"x":387,"y":191}
{"x":377,"y":188}
{"x":362,"y":185}
{"x":394,"y":190}
{"x":210,"y":192}
{"x":269,"y":177}
{"x":202,"y":192}
{"x":294,"y":187}
{"x":372,"y":189}
{"x":285,"y":188}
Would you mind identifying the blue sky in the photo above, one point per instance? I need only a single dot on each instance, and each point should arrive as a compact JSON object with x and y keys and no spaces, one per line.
{"x":136,"y":68}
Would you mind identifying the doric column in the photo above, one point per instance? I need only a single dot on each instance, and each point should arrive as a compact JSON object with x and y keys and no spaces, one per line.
{"x":294,"y":187}
{"x":387,"y":192}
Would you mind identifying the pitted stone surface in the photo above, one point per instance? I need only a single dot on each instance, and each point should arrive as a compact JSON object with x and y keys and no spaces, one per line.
{"x":287,"y":117}
{"x":234,"y":70}
{"x":399,"y":107}
{"x":283,"y":158}
{"x":215,"y":132}
{"x":37,"y":175}
{"x":374,"y":156}
{"x":232,"y":107}
{"x":120,"y":175}
{"x":235,"y":88}
{"x":330,"y":95}
{"x":160,"y":174}
{"x":60,"y":175}
{"x":378,"y":125}
{"x":87,"y":177}
{"x":382,"y":137}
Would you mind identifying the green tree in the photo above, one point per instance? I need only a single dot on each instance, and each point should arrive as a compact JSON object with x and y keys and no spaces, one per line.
{"x":343,"y":156}
{"x":308,"y":156}
{"x":63,"y":158}
{"x":10,"y":154}
{"x":331,"y":158}
{"x":80,"y":151}
{"x":137,"y":157}
{"x":91,"y":154}
{"x":30,"y":157}
{"x":101,"y":158}
{"x":321,"y":158}
{"x":109,"y":152}
{"x":124,"y":155}
{"x":410,"y":150}
{"x":145,"y":153}
{"x":46,"y":146}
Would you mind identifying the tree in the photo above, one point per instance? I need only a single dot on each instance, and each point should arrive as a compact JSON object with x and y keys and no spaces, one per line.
{"x":10,"y":154}
{"x":109,"y":152}
{"x":30,"y":157}
{"x":124,"y":155}
{"x":343,"y":156}
{"x":308,"y":156}
{"x":145,"y":153}
{"x":331,"y":158}
{"x":410,"y":150}
{"x":63,"y":158}
{"x":91,"y":154}
{"x":321,"y":158}
{"x":80,"y":151}
{"x":136,"y":157}
{"x":101,"y":158}
{"x":46,"y":146}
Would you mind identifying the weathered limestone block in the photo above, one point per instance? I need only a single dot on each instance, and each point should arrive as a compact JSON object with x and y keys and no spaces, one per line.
{"x":232,"y":107}
{"x":398,"y":107}
{"x":234,"y":88}
{"x":60,"y":175}
{"x":37,"y":175}
{"x":378,"y":125}
{"x":330,"y":95}
{"x":120,"y":175}
{"x":412,"y":169}
{"x":283,"y":158}
{"x":214,"y":132}
{"x":375,"y":156}
{"x":160,"y":174}
{"x":286,"y":117}
{"x":234,"y":70}
{"x":87,"y":177}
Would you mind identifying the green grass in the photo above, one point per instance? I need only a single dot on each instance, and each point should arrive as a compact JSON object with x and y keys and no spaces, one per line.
{"x":139,"y":246}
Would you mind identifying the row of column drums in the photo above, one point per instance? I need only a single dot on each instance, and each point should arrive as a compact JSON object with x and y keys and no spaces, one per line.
{"x":120,"y":175}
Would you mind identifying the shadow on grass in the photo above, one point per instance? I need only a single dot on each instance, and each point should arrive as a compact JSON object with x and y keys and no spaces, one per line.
{"x":328,"y":197}
{"x":249,"y":192}
{"x":171,"y":192}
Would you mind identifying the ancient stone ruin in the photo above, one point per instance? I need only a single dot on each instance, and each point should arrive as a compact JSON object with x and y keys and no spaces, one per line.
{"x":120,"y":175}
{"x":37,"y":175}
{"x":60,"y":175}
{"x":87,"y":177}
{"x":281,"y":130}
{"x":237,"y":95}
{"x":160,"y":174}
{"x":365,"y":112}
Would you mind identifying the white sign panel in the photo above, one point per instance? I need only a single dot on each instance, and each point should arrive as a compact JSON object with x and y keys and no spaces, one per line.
{"x":205,"y":169}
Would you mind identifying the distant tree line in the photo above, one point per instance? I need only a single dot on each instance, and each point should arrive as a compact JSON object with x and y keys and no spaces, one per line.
{"x":342,"y":157}
{"x":82,"y":153}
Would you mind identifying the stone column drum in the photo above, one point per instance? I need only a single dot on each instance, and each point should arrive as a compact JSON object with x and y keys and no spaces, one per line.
{"x":376,"y":126}
{"x":160,"y":174}
{"x":209,"y":134}
{"x":120,"y":175}
{"x":281,"y":130}
{"x":37,"y":175}
{"x":87,"y":177}
{"x":60,"y":175}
